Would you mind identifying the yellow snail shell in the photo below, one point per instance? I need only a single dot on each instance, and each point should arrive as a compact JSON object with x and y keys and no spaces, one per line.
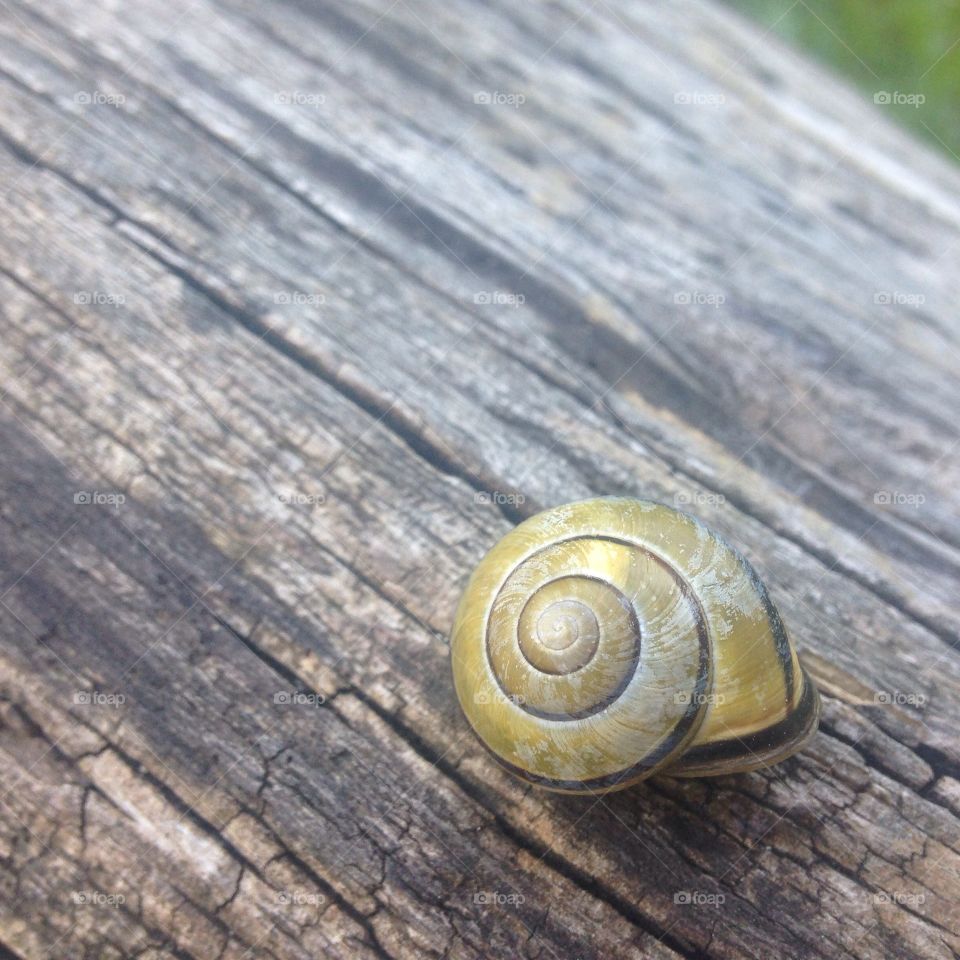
{"x":604,"y":641}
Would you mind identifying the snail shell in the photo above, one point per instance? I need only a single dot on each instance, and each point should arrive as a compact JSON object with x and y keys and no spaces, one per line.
{"x":604,"y":641}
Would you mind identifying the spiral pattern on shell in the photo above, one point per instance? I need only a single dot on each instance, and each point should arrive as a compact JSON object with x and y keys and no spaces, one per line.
{"x":606,"y":640}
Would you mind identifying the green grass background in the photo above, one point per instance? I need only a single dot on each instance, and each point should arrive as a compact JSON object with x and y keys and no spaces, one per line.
{"x":910,"y":46}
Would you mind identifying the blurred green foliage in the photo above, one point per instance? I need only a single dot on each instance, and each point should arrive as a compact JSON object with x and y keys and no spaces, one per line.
{"x":908,"y":47}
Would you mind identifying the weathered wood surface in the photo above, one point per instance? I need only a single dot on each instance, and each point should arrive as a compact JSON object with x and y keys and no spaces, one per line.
{"x":245,"y":251}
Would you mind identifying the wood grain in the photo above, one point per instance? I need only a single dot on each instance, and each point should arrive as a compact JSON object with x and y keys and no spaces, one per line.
{"x":304,"y":306}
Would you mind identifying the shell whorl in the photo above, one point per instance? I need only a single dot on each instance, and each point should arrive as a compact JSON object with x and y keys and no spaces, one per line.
{"x":603,"y":641}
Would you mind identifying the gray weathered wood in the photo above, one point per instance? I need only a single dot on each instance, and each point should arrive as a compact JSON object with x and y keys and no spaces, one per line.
{"x":244,"y":258}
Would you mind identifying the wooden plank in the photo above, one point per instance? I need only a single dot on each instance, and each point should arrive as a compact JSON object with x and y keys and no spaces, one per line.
{"x":259,"y":318}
